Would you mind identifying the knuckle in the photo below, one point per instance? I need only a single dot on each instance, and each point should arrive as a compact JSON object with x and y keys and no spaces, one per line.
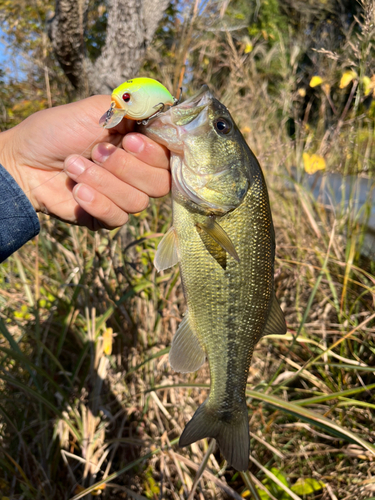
{"x":95,"y":176}
{"x":140,"y":202}
{"x":117,"y":220}
{"x":123,"y":219}
{"x":107,"y":211}
{"x":162,"y":185}
{"x":121,"y":168}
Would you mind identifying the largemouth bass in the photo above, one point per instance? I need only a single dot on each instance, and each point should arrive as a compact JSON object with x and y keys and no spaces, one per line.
{"x":223,"y":239}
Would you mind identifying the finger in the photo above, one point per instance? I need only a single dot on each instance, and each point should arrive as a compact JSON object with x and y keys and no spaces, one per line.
{"x":153,"y":181}
{"x":125,"y":196}
{"x":120,"y":172}
{"x":140,"y":147}
{"x":99,"y":206}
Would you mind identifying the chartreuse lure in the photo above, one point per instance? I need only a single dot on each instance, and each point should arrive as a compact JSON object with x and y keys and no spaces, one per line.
{"x":138,"y":99}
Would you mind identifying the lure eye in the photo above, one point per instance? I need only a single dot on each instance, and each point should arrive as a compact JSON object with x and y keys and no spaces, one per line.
{"x":126,"y":97}
{"x":222,"y":126}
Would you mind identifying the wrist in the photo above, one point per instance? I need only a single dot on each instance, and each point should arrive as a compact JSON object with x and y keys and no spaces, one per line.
{"x":11,"y":161}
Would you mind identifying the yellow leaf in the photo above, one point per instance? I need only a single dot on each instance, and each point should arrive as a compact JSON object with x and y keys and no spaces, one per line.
{"x":245,"y":130}
{"x":366,"y":85}
{"x":248,"y":47}
{"x":107,"y":341}
{"x":313,"y":163}
{"x":346,"y":78}
{"x":315,"y":81}
{"x":98,"y":490}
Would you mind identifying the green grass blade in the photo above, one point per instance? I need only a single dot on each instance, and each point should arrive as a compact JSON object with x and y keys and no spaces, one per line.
{"x":13,"y":344}
{"x":312,"y":418}
{"x":23,"y":359}
{"x":334,"y":395}
{"x":38,"y":397}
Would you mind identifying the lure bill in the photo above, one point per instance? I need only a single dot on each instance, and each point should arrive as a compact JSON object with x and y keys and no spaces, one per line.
{"x":138,"y":99}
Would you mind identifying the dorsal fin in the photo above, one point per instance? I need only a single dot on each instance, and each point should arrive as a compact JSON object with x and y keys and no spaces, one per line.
{"x":276,"y":321}
{"x":166,"y":255}
{"x":186,"y":354}
{"x":213,"y":229}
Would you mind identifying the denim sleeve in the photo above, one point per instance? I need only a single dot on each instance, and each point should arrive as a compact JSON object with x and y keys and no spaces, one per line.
{"x":18,"y":220}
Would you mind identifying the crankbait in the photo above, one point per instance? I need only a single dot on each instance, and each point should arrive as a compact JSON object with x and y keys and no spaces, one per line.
{"x":138,"y":99}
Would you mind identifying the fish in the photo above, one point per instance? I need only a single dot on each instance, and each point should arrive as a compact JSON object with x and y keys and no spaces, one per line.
{"x":137,"y":99}
{"x":223,"y":239}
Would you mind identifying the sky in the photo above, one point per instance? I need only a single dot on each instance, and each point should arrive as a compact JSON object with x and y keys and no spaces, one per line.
{"x":10,"y":63}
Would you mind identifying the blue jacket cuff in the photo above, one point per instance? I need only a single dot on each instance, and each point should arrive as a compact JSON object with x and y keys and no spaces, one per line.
{"x":18,"y":220}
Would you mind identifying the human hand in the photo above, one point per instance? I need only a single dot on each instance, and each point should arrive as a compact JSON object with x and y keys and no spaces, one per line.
{"x":45,"y":151}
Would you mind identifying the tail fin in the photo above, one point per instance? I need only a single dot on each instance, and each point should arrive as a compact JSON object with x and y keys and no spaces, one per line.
{"x":231,"y":431}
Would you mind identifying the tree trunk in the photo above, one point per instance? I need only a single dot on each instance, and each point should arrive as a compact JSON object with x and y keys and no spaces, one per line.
{"x":130,"y":29}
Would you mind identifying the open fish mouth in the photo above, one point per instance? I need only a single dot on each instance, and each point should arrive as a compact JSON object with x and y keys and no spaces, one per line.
{"x":201,"y":98}
{"x":188,"y":117}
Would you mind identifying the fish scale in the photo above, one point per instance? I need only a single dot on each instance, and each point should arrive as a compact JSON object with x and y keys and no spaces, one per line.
{"x":223,"y":239}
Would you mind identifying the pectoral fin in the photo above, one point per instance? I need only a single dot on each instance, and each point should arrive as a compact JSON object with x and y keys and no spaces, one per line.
{"x":186,"y":354}
{"x":166,"y":255}
{"x":216,"y":251}
{"x":275,"y":322}
{"x":213,"y":229}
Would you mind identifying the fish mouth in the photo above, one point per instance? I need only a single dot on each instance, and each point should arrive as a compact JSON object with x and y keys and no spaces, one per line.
{"x":201,"y":98}
{"x":189,"y":117}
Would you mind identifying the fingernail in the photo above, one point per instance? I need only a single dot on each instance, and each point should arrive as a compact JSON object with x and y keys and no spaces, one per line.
{"x":75,"y":167}
{"x":133,"y":143}
{"x":83,"y":193}
{"x":102,"y":151}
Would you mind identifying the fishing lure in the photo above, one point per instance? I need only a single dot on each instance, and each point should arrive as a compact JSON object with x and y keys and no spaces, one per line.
{"x":138,"y":99}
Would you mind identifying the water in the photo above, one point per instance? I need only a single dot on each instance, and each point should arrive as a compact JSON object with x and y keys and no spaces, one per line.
{"x":347,"y":196}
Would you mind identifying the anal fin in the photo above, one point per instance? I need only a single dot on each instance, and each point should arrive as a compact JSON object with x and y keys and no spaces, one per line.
{"x":276,"y":321}
{"x":186,"y":354}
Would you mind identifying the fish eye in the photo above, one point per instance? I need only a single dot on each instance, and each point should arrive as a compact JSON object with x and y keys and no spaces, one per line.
{"x":126,"y":97}
{"x":222,"y":126}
